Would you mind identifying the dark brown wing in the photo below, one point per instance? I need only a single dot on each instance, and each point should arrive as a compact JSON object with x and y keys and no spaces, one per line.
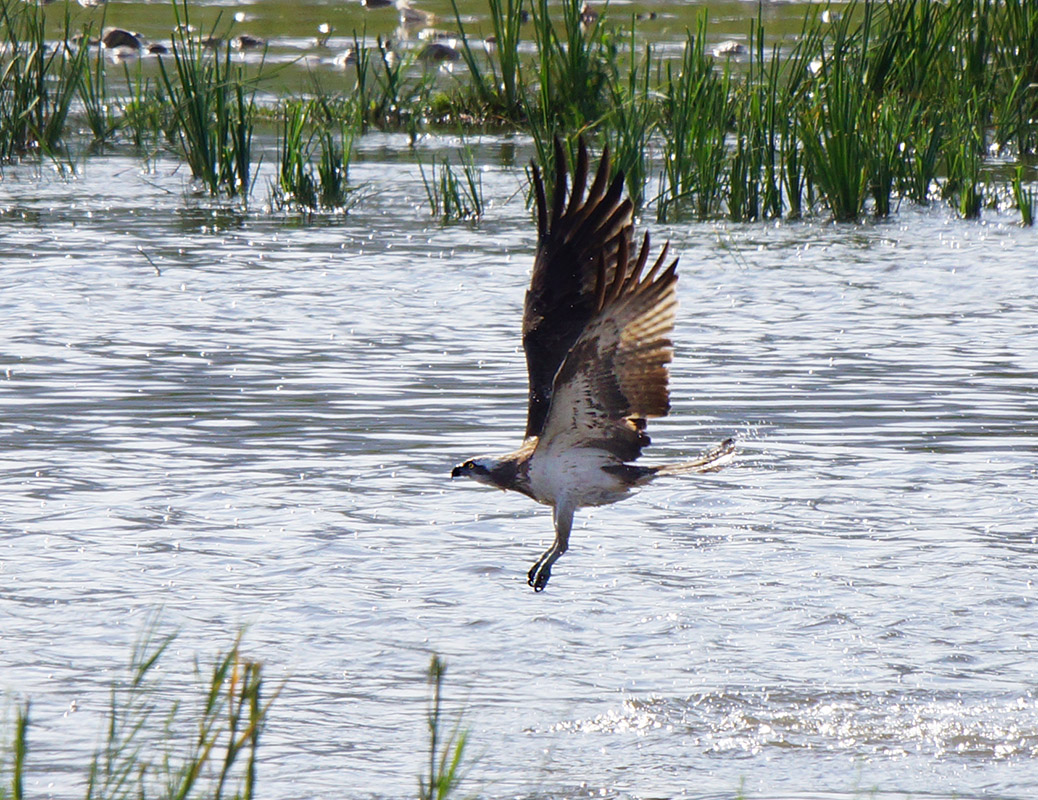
{"x":577,"y":246}
{"x":616,"y":374}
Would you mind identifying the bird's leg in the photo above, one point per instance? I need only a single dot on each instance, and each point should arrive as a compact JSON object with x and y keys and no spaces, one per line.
{"x":541,"y":571}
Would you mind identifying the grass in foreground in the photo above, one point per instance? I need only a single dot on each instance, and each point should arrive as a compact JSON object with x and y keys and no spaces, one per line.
{"x":153,"y":746}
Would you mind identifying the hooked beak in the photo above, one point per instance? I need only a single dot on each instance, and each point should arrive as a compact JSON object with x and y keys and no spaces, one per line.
{"x":458,"y":471}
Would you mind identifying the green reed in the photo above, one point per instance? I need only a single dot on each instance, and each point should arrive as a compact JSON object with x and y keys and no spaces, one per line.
{"x":696,"y":106}
{"x":296,"y":184}
{"x":1024,"y":198}
{"x":19,"y":749}
{"x":834,"y":126}
{"x":755,"y":181}
{"x":634,"y":116}
{"x":38,"y":83}
{"x":794,"y":93}
{"x":446,"y":748}
{"x":893,"y":101}
{"x":312,"y":132}
{"x":389,"y":93}
{"x":154,"y":745}
{"x":146,"y":112}
{"x":963,"y":158}
{"x":1015,"y":74}
{"x":93,"y":92}
{"x":451,"y":196}
{"x":166,"y":749}
{"x":213,"y":106}
{"x":497,"y":87}
{"x":574,"y":66}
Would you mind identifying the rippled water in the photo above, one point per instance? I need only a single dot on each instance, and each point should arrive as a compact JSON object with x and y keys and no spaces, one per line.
{"x":240,"y":419}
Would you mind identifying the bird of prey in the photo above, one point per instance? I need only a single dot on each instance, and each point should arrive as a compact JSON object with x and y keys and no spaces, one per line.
{"x":596,"y":331}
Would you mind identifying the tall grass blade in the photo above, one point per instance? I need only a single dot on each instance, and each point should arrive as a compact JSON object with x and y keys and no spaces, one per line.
{"x":19,"y":747}
{"x":446,"y":749}
{"x":1024,"y":197}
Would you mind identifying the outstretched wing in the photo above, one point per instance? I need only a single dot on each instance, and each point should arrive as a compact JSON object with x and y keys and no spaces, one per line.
{"x":616,"y":374}
{"x":577,"y":240}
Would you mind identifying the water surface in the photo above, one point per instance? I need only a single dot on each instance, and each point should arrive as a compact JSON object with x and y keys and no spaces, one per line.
{"x":242,"y":419}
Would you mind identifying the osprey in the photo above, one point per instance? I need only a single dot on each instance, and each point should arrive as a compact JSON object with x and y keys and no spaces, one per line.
{"x":596,"y":335}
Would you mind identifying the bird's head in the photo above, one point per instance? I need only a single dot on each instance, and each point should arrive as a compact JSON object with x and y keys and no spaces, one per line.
{"x":479,"y":469}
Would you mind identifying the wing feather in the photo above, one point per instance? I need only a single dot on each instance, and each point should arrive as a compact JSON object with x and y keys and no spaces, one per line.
{"x":615,"y":376}
{"x":580,"y":243}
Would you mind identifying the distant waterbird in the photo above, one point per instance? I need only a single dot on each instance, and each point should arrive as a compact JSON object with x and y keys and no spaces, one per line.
{"x":439,"y":52}
{"x":588,"y":17}
{"x":246,"y":41}
{"x":345,"y":58}
{"x":596,"y":331}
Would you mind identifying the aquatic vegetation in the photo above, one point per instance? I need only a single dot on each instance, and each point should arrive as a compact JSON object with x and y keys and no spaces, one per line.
{"x":446,"y":749}
{"x":633,"y":119}
{"x":153,"y":747}
{"x":452,"y":197}
{"x":836,"y":126}
{"x":94,"y":94}
{"x":755,"y":189}
{"x":310,"y":129}
{"x":497,"y":87}
{"x":1024,"y":198}
{"x":389,"y":93}
{"x":696,"y":108}
{"x":18,"y":747}
{"x":862,"y":110}
{"x":38,"y":83}
{"x":213,"y":105}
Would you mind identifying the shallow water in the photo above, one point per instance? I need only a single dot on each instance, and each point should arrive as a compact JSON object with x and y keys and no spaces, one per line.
{"x":243,"y":420}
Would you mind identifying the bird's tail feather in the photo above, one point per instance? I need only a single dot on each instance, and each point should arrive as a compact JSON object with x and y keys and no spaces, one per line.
{"x":717,"y":457}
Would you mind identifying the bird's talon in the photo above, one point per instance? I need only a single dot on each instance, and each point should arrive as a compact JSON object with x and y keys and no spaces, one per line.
{"x":538,"y":577}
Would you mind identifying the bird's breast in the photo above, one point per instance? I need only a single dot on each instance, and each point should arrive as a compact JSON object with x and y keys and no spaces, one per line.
{"x":575,"y":474}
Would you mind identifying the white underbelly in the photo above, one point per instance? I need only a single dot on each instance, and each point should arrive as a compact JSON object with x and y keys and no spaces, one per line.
{"x":577,"y":475}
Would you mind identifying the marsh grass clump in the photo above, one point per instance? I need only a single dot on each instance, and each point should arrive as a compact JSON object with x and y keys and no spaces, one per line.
{"x":99,"y":108}
{"x":390,"y":93}
{"x":696,"y":106}
{"x":496,"y":84}
{"x":634,"y":117}
{"x":38,"y":82}
{"x":453,"y":197}
{"x":314,"y":149}
{"x":213,"y":109}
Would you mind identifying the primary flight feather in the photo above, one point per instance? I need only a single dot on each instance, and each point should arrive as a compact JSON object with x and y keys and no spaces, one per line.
{"x":596,"y":331}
